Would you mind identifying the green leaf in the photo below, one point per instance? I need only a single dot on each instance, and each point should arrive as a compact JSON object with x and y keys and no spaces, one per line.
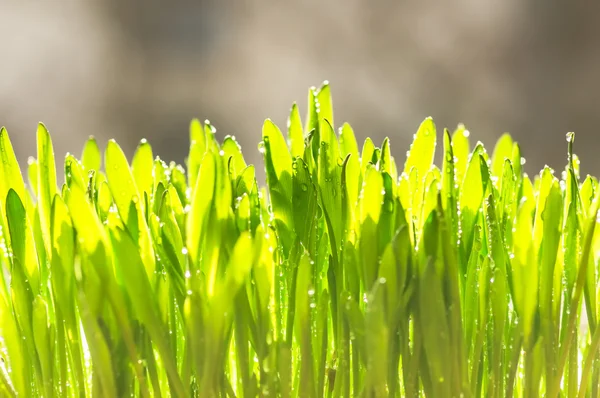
{"x":434,"y":328}
{"x":22,"y":240}
{"x":104,"y":200}
{"x":461,"y":150}
{"x":63,"y":262}
{"x":366,"y":154}
{"x":211,"y":141}
{"x":377,"y":338}
{"x":388,"y":272}
{"x":551,"y":218}
{"x":197,"y":149}
{"x":502,"y":151}
{"x":141,"y":168}
{"x":449,"y":187}
{"x":422,"y":149}
{"x":90,"y":157}
{"x":74,"y":172}
{"x":277,"y":158}
{"x":471,"y":197}
{"x":508,"y":207}
{"x":524,"y":270}
{"x":127,"y":199}
{"x":304,"y":292}
{"x":429,"y":202}
{"x":304,"y":201}
{"x":246,"y":183}
{"x":233,"y":152}
{"x":160,"y":173}
{"x":137,"y":284}
{"x":9,"y":169}
{"x":278,"y":164}
{"x":348,"y":143}
{"x":63,"y":239}
{"x":350,"y":178}
{"x":498,"y":293}
{"x":15,"y":354}
{"x":370,"y":212}
{"x":371,"y":196}
{"x":46,"y":180}
{"x":87,"y":224}
{"x":325,"y":107}
{"x":32,"y":174}
{"x":387,"y":227}
{"x":42,"y":340}
{"x":295,"y":134}
{"x":177,"y":180}
{"x":386,"y":157}
{"x":312,"y":117}
{"x":120,"y":179}
{"x":517,"y":162}
{"x":330,"y":185}
{"x":202,"y":197}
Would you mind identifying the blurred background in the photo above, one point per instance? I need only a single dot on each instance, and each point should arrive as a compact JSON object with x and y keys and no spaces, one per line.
{"x":128,"y":70}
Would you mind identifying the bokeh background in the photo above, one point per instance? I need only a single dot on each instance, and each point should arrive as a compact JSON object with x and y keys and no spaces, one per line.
{"x":134,"y":69}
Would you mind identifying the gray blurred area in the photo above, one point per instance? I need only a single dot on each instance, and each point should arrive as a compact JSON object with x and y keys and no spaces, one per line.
{"x":128,"y":70}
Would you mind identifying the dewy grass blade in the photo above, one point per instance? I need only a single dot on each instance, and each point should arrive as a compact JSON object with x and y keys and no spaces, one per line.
{"x":295,"y":132}
{"x":9,"y":168}
{"x":461,"y":149}
{"x":338,"y":278}
{"x":46,"y":181}
{"x":125,"y":192}
{"x":90,"y":156}
{"x":141,"y":167}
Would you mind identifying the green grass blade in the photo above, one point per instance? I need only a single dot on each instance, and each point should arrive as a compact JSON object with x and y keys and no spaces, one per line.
{"x":9,"y":168}
{"x":141,"y":168}
{"x":295,"y":133}
{"x":46,"y":180}
{"x":90,"y":157}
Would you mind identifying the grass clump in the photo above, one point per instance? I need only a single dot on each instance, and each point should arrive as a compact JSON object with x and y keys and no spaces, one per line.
{"x":345,"y":277}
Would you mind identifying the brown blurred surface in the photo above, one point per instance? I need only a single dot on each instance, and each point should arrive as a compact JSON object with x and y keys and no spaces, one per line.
{"x":144,"y":69}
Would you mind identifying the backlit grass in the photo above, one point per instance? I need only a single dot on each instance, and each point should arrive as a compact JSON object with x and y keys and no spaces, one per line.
{"x":348,"y":275}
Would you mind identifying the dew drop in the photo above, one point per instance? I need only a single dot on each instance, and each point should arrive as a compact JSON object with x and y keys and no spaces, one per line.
{"x":304,"y":187}
{"x":570,"y":137}
{"x":261,"y":147}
